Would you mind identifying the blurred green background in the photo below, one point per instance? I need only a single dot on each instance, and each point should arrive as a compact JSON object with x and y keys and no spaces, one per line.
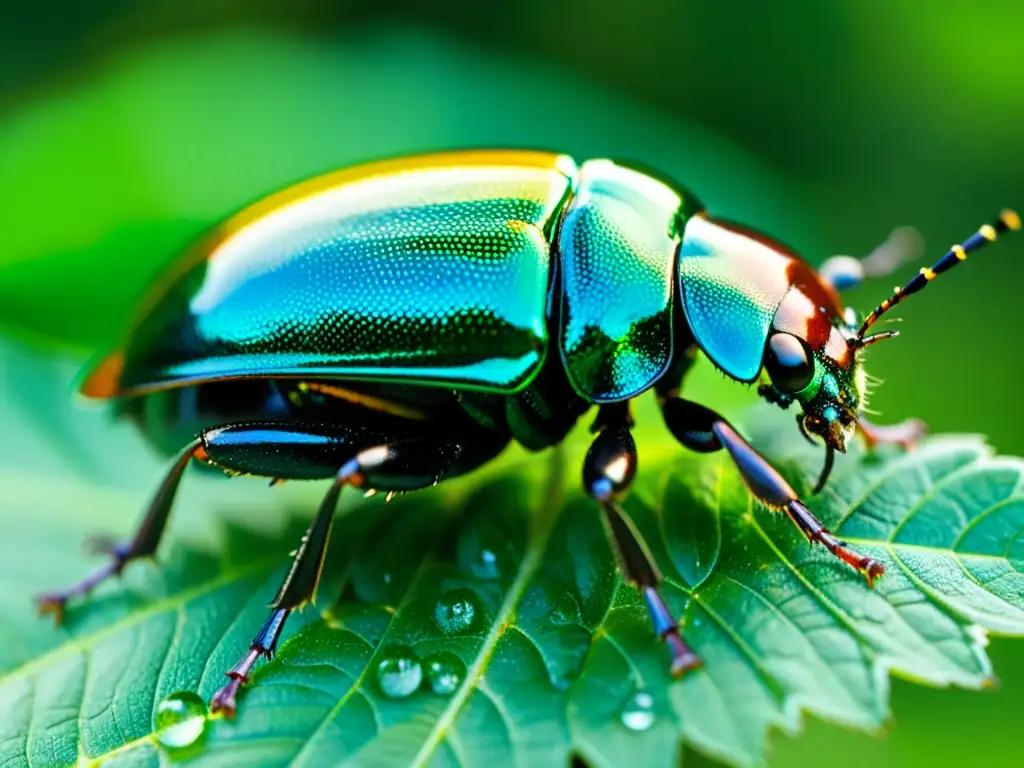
{"x":128,"y":126}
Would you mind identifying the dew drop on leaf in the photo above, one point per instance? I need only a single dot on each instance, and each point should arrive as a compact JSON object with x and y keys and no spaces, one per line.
{"x":399,"y":672}
{"x":445,"y":672}
{"x":180,"y":720}
{"x":486,"y":565}
{"x":455,"y":611}
{"x":638,"y":711}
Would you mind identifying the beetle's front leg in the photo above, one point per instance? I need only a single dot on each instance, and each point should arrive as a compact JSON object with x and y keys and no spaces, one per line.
{"x":608,"y":471}
{"x":905,"y":434}
{"x":701,"y":429}
{"x":143,"y":544}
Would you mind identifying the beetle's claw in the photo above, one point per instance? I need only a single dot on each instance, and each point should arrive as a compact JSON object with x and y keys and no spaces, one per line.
{"x":872,"y":570}
{"x":225,"y":701}
{"x":683,"y":657}
{"x":52,"y":604}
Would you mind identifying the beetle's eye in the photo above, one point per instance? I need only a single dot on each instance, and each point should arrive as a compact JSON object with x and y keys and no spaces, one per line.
{"x":790,"y":363}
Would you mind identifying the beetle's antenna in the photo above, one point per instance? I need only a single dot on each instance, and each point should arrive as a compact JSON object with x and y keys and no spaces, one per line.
{"x":858,"y":342}
{"x":1007,"y":220}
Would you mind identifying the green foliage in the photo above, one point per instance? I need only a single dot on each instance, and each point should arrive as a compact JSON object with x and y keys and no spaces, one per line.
{"x":101,"y":188}
{"x":556,"y":645}
{"x":104,"y":180}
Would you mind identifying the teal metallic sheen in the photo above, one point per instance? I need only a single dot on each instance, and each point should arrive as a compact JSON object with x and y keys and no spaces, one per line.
{"x":732,"y":284}
{"x":618,"y":245}
{"x":433,"y":275}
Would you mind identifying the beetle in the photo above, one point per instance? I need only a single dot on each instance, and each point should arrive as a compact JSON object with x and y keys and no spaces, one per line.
{"x":396,"y":324}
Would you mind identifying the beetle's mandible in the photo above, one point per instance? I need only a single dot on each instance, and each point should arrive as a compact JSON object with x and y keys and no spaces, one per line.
{"x":398,"y":323}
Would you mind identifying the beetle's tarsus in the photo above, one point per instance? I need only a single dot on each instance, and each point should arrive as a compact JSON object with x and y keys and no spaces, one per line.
{"x":142,"y":544}
{"x":682,"y":656}
{"x":872,"y":569}
{"x":55,"y":603}
{"x":817,"y":533}
{"x":225,"y":700}
{"x":52,"y":605}
{"x":263,"y":645}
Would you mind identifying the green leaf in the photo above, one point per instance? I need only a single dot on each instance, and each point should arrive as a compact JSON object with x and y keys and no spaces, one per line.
{"x":103,"y":183}
{"x":557,"y":644}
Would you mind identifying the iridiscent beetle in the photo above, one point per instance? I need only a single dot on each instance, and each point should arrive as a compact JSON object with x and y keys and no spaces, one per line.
{"x":397,"y":324}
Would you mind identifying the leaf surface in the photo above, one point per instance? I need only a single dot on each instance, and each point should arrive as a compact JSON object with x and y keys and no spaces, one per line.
{"x":557,"y":644}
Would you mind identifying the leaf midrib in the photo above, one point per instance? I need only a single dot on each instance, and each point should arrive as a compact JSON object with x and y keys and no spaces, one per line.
{"x":542,"y":526}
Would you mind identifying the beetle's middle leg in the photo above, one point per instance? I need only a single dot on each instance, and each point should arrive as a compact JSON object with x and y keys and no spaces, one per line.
{"x":608,"y":471}
{"x":703,"y":430}
{"x":395,"y":464}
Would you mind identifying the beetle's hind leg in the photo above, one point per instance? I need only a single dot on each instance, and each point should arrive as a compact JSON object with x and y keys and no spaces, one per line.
{"x":143,"y":544}
{"x":703,"y":430}
{"x":846,"y":272}
{"x":392,"y":463}
{"x":608,"y":471}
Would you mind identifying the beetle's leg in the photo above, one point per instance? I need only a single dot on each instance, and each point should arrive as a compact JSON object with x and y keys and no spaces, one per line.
{"x":608,"y":471}
{"x":845,"y":272}
{"x":403,"y":465}
{"x":905,"y":434}
{"x":701,"y":429}
{"x":297,"y":589}
{"x":143,"y":544}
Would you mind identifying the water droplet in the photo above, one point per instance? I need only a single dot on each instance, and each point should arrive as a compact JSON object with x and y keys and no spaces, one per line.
{"x":486,"y":565}
{"x":455,"y":611}
{"x":399,"y":672}
{"x":445,"y":672}
{"x":487,"y":550}
{"x":638,"y":711}
{"x":180,"y":720}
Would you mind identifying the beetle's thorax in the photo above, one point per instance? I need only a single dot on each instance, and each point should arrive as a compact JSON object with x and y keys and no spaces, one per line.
{"x":756,"y":308}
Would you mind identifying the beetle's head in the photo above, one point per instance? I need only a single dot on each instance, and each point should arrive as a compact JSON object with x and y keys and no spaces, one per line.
{"x":814,"y":349}
{"x":814,"y":358}
{"x":829,"y":387}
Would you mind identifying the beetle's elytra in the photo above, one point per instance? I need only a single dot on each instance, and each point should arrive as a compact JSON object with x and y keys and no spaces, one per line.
{"x":398,"y":323}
